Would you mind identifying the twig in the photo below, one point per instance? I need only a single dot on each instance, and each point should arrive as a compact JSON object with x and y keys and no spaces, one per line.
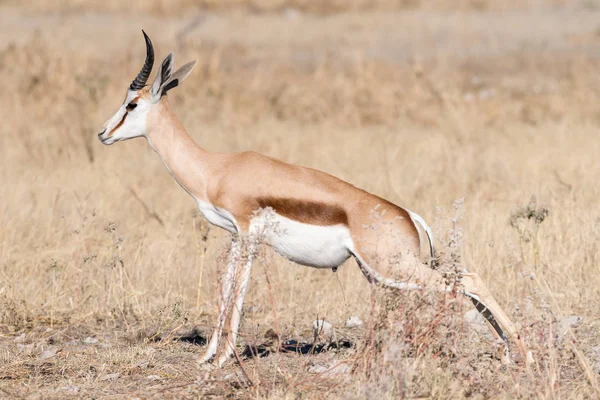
{"x":561,"y":181}
{"x":342,"y":290}
{"x":181,"y":385}
{"x":150,"y":213}
{"x":188,"y":28}
{"x":171,"y":334}
{"x":241,"y":363}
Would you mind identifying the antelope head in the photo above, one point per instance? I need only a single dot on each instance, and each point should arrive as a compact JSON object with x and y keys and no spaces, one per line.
{"x":130,"y":120}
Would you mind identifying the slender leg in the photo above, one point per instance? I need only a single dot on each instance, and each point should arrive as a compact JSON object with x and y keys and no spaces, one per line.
{"x":242,"y":282}
{"x":374,"y":277}
{"x":474,"y":288}
{"x":211,"y":348}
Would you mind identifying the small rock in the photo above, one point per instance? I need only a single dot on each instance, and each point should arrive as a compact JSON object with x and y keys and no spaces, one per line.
{"x":477,"y":322}
{"x":25,"y":347}
{"x":254,"y":309}
{"x":70,"y":389}
{"x":21,"y":338}
{"x":595,"y":358}
{"x":317,"y":369}
{"x":323,"y":328}
{"x":337,"y":369}
{"x":49,"y":353}
{"x":90,"y":340}
{"x":566,"y":323}
{"x":109,"y":377}
{"x":353,"y":322}
{"x":474,"y":317}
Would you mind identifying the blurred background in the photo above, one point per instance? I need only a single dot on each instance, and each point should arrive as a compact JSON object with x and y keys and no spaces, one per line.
{"x":491,"y":103}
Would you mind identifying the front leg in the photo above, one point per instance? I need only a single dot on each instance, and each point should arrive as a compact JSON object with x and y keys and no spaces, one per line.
{"x":241,"y":286}
{"x":226,"y":285}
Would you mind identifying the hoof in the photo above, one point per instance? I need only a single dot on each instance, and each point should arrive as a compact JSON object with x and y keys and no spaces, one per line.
{"x":206,"y":366}
{"x":223,"y":359}
{"x":529,"y":358}
{"x":506,"y":360}
{"x":206,"y":358}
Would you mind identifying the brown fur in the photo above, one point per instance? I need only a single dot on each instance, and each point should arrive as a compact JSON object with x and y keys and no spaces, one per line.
{"x":307,"y":212}
{"x":241,"y":183}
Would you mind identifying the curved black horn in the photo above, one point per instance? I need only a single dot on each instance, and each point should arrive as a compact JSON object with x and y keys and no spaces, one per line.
{"x":144,"y":74}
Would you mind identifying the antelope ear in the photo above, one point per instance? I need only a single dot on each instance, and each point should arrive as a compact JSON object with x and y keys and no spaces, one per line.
{"x":164,"y":73}
{"x":177,"y":77}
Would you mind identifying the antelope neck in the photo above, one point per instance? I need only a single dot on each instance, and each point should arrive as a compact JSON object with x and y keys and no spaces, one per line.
{"x":183,"y":158}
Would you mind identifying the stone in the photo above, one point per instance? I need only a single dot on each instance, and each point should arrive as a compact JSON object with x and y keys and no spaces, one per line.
{"x":566,"y":323}
{"x":323,"y":328}
{"x":48,"y":353}
{"x":337,"y":369}
{"x":317,"y":369}
{"x":109,"y":377}
{"x":477,"y":322}
{"x":353,"y":322}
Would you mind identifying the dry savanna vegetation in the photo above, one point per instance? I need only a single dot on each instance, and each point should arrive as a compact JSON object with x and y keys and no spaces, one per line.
{"x":481,"y":116}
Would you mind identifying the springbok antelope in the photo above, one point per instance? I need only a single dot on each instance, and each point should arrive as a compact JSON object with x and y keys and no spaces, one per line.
{"x":308,"y":216}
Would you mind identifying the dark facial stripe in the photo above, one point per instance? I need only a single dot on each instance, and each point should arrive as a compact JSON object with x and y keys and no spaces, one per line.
{"x":118,"y":125}
{"x":307,"y":212}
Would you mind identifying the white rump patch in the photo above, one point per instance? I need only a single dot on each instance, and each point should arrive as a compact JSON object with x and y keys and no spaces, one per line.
{"x":427,"y":239}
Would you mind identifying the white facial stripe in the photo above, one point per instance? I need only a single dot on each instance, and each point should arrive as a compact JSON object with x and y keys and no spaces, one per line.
{"x":130,"y":96}
{"x":118,"y":125}
{"x":127,"y":124}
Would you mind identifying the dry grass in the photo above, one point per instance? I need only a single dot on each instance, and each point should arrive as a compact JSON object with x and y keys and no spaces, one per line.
{"x":100,"y":243}
{"x":327,"y":7}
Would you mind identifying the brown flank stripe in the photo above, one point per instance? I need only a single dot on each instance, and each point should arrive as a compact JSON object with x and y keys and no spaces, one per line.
{"x":308,"y":212}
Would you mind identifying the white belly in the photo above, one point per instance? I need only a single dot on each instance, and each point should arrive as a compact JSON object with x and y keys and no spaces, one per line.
{"x":311,"y":245}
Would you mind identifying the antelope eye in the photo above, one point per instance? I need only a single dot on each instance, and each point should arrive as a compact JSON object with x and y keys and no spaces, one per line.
{"x":131,"y":106}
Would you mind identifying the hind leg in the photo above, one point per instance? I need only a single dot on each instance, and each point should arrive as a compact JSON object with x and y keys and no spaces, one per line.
{"x":410,"y":274}
{"x":476,"y":290}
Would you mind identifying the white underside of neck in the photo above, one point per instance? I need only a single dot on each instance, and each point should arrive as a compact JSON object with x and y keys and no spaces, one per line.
{"x":168,"y":169}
